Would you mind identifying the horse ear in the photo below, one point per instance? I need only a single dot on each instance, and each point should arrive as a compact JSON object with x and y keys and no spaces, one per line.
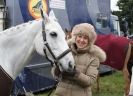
{"x":66,"y":30}
{"x":45,"y":16}
{"x":52,"y":15}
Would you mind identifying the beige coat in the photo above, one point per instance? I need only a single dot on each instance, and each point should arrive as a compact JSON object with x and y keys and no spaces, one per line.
{"x":87,"y":63}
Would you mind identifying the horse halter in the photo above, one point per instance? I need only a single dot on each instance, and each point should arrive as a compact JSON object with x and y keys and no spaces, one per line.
{"x":56,"y":59}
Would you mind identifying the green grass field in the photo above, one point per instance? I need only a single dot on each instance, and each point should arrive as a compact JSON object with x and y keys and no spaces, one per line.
{"x":110,"y":85}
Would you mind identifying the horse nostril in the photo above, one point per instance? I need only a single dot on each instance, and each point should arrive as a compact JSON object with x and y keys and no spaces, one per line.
{"x":70,"y":64}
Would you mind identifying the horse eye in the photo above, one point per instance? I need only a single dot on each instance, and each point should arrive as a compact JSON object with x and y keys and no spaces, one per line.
{"x":54,"y":34}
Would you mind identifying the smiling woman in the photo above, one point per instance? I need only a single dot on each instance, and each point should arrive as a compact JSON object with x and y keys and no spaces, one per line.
{"x":82,"y":41}
{"x":87,"y":58}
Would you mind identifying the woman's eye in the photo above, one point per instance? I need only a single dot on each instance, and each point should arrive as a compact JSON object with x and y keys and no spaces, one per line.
{"x":85,"y":37}
{"x":80,"y":36}
{"x":53,"y":34}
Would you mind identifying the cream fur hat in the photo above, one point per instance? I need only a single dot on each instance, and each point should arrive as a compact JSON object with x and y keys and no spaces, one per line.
{"x":88,"y":29}
{"x":85,"y":29}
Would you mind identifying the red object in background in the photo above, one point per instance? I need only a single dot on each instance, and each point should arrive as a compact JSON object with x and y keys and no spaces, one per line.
{"x":115,"y":48}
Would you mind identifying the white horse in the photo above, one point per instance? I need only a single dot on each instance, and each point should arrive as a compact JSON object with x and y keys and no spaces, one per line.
{"x":18,"y":43}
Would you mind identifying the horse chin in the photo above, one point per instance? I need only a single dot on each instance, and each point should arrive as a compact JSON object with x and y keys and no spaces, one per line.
{"x":66,"y":69}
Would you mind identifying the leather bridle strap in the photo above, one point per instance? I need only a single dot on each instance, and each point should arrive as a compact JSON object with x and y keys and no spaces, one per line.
{"x":56,"y":59}
{"x":63,"y":54}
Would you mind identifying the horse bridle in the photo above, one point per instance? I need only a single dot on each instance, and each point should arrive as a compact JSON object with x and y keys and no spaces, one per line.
{"x":56,"y":59}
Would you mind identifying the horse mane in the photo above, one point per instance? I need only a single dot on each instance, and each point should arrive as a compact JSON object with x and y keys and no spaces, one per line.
{"x":17,"y":29}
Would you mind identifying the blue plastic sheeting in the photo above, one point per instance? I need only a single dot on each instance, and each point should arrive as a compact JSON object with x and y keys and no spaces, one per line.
{"x":34,"y":77}
{"x":31,"y":81}
{"x":105,"y":70}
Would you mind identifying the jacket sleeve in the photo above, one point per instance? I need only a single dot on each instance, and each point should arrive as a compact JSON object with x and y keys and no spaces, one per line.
{"x":90,"y":76}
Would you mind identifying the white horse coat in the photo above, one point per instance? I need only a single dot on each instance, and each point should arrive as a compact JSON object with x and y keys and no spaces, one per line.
{"x":18,"y":43}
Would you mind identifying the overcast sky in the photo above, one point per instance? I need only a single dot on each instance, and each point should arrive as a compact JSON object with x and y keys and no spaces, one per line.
{"x":113,"y":5}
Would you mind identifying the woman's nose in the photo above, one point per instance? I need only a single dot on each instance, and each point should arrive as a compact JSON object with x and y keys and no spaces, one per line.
{"x":81,"y":39}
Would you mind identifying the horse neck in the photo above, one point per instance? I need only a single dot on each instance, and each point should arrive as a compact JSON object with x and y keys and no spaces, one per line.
{"x":16,"y":49}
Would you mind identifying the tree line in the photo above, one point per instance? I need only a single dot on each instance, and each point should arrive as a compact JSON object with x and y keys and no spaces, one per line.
{"x":125,"y":13}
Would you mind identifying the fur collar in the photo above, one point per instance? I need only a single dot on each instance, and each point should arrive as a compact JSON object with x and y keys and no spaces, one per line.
{"x":92,"y":49}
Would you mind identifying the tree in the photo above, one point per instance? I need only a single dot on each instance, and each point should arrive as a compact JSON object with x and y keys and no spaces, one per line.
{"x":126,"y":12}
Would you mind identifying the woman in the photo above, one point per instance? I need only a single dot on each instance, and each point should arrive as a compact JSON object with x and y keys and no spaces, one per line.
{"x":87,"y":59}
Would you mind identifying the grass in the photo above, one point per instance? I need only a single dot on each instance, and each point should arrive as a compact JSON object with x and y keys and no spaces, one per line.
{"x":110,"y":85}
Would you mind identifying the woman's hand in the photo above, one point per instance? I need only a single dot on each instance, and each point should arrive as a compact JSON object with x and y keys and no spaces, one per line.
{"x":75,"y":72}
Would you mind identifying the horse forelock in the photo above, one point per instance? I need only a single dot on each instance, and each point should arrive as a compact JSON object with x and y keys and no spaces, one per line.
{"x":54,"y":26}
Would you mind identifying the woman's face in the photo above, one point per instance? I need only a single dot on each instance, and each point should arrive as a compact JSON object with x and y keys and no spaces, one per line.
{"x":82,"y":41}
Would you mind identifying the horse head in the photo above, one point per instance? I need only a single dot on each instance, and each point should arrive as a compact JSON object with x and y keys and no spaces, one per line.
{"x":54,"y":43}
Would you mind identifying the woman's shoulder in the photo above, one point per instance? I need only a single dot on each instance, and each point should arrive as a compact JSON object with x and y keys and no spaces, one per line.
{"x":97,"y":52}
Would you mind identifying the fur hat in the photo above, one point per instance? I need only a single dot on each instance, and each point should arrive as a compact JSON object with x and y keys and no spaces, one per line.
{"x":88,"y":29}
{"x":85,"y":29}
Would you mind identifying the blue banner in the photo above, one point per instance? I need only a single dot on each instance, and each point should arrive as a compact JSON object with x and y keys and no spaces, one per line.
{"x":24,"y":10}
{"x":95,"y":12}
{"x":77,"y":12}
